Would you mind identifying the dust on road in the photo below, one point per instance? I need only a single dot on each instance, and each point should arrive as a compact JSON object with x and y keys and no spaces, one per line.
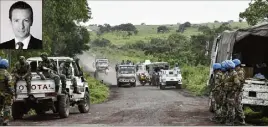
{"x":141,"y":105}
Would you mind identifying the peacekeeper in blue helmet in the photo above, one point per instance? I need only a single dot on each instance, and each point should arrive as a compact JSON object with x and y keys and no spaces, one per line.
{"x":217,"y":90}
{"x":231,"y":84}
{"x":239,"y":113}
{"x":6,"y":92}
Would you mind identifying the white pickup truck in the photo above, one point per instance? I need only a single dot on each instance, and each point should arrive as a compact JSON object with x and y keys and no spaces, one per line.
{"x":101,"y":65}
{"x":170,"y":78}
{"x":44,"y":96}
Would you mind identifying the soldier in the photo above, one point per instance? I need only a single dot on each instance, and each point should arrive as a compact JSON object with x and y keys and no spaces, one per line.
{"x":66,"y":72}
{"x":240,"y":117}
{"x":216,"y":91}
{"x":231,"y":84}
{"x":6,"y":92}
{"x":22,"y":71}
{"x":49,"y":70}
{"x":223,"y":93}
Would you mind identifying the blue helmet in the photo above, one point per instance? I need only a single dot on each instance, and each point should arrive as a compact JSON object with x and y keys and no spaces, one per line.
{"x":216,"y":66}
{"x":237,"y":62}
{"x":230,"y":64}
{"x":4,"y":63}
{"x":223,"y":66}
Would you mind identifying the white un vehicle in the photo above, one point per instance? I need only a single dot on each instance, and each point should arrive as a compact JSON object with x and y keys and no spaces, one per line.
{"x":170,"y":78}
{"x":101,"y":65}
{"x":44,"y":97}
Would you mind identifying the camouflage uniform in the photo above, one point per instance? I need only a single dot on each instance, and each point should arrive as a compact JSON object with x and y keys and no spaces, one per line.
{"x":231,"y":84}
{"x":238,"y":98}
{"x":23,"y":71}
{"x":51,"y":73}
{"x":218,"y":94}
{"x":6,"y":95}
{"x":66,"y":72}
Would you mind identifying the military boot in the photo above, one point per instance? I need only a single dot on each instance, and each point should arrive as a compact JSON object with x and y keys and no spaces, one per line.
{"x":76,"y":90}
{"x":57,"y":88}
{"x":63,"y":90}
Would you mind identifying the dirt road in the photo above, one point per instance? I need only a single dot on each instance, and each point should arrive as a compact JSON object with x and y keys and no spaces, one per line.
{"x":141,"y":105}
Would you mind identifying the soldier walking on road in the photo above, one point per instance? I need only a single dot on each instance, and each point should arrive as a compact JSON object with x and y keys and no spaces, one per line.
{"x":6,"y":92}
{"x":217,"y":91}
{"x":240,"y":116}
{"x":66,"y":72}
{"x":231,"y":84}
{"x":22,"y":71}
{"x":49,"y":70}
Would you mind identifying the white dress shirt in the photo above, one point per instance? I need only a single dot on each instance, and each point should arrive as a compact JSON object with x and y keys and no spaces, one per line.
{"x":25,"y":42}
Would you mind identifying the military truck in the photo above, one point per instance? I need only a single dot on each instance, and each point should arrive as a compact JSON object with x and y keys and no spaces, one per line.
{"x":250,"y":46}
{"x":126,"y":74}
{"x":44,"y":96}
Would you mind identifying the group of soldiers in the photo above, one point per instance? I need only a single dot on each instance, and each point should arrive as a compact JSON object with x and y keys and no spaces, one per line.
{"x":22,"y":71}
{"x":228,"y":80}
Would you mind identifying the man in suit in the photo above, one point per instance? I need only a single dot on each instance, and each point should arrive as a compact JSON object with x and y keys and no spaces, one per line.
{"x":21,"y":18}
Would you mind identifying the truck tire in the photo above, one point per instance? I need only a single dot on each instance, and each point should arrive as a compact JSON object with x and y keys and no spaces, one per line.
{"x":63,"y":105}
{"x":133,"y":84}
{"x":17,"y":110}
{"x":118,"y":84}
{"x":178,"y":86}
{"x":84,"y":106}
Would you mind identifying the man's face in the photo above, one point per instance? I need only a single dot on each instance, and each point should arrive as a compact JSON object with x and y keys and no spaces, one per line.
{"x":44,"y":58}
{"x":67,"y":64}
{"x":22,"y":60}
{"x":21,"y":22}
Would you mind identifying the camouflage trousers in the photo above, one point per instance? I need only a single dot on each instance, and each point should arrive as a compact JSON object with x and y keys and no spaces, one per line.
{"x":27,"y":80}
{"x":239,"y":113}
{"x":73,"y":80}
{"x":218,"y":96}
{"x":57,"y":79}
{"x":5,"y":107}
{"x":230,"y":105}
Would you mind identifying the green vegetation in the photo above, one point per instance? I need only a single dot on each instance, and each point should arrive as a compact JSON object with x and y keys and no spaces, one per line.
{"x":98,"y":91}
{"x":257,"y":11}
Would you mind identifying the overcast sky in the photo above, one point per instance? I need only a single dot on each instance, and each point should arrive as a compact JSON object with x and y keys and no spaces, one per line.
{"x":164,"y":12}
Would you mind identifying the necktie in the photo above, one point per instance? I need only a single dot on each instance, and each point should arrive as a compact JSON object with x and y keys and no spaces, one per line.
{"x":20,"y":45}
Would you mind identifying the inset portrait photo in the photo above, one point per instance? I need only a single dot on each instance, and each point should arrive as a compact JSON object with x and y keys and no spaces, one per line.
{"x":21,"y":24}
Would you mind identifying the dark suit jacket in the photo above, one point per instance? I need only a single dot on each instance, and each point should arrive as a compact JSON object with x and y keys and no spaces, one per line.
{"x":33,"y":44}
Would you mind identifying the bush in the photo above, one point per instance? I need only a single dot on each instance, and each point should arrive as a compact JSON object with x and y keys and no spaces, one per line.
{"x":195,"y":79}
{"x":98,"y":91}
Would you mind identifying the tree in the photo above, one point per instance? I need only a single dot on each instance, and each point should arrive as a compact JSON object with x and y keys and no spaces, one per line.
{"x":162,"y":29}
{"x":257,"y":11}
{"x":187,"y":24}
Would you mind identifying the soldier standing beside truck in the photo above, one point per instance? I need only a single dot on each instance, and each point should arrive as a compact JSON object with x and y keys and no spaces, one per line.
{"x":231,"y":84}
{"x":217,"y":91}
{"x":22,"y":71}
{"x":49,"y":70}
{"x":240,"y":116}
{"x":66,"y":72}
{"x":6,"y":92}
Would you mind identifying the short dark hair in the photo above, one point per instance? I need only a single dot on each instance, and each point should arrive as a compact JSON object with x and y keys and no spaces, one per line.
{"x":20,"y":5}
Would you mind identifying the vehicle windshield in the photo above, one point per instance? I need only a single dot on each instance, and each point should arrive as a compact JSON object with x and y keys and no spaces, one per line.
{"x":102,"y":63}
{"x":126,"y":71}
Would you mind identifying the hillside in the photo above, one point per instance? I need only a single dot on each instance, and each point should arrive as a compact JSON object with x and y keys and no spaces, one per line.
{"x":146,"y":32}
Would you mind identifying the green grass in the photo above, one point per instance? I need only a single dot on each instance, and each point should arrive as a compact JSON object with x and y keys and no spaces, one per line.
{"x":146,"y":32}
{"x":98,"y":91}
